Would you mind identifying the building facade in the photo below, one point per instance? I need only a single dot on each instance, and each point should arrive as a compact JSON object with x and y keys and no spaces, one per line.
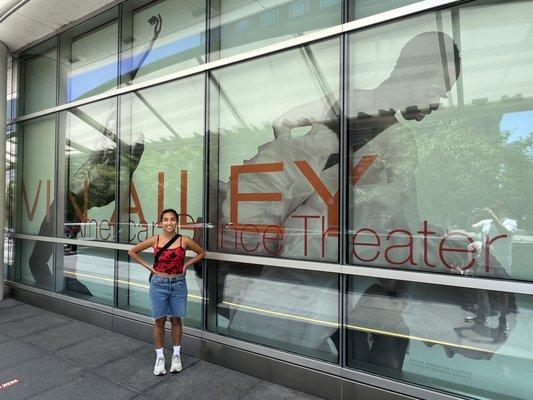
{"x":359,"y":172}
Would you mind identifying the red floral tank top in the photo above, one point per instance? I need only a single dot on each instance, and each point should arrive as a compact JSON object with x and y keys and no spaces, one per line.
{"x":172,"y":259}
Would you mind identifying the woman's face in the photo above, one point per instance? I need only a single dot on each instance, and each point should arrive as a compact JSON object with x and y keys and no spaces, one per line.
{"x":169,"y":222}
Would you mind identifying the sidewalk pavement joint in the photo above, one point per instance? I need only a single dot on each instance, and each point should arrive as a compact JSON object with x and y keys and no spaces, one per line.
{"x":55,"y":357}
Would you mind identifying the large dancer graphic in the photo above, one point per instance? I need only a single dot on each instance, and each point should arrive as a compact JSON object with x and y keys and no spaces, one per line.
{"x":380,"y":127}
{"x":93,"y":183}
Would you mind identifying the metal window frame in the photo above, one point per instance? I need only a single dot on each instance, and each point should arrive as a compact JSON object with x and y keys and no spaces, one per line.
{"x":511,"y":286}
{"x":20,"y":61}
{"x":387,"y":16}
{"x":342,"y":268}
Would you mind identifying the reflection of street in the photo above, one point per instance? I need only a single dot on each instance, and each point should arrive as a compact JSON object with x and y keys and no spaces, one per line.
{"x":430,"y":314}
{"x":305,"y":317}
{"x":96,"y":272}
{"x":298,"y":302}
{"x":522,"y":250}
{"x":427,"y":314}
{"x":94,"y":267}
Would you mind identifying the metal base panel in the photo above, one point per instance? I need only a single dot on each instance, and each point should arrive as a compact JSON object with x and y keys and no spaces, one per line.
{"x":355,"y":390}
{"x":276,"y":371}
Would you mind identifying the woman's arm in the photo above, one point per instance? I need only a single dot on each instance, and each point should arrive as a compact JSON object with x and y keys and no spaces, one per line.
{"x":192,"y":245}
{"x":150,"y":242}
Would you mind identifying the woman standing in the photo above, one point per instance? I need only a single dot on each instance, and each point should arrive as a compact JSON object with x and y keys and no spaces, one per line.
{"x":168,"y":288}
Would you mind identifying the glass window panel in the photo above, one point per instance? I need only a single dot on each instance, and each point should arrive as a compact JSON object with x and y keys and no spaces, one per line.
{"x":35,"y":170}
{"x":90,"y":170}
{"x":36,"y":72}
{"x":289,"y":309}
{"x":429,"y":335}
{"x":274,"y":127}
{"x":162,"y":141}
{"x":87,"y":273}
{"x":243,"y":25}
{"x":365,"y":8}
{"x":133,"y":288}
{"x":441,"y":169}
{"x":89,"y":57}
{"x":161,"y":37}
{"x":34,"y":261}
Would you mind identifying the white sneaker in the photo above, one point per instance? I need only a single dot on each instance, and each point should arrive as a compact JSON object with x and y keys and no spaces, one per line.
{"x":159,"y":367}
{"x":175,"y":366}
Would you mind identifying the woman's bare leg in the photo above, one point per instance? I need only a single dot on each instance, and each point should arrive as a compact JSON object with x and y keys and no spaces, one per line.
{"x":159,"y":332}
{"x":176,"y":330}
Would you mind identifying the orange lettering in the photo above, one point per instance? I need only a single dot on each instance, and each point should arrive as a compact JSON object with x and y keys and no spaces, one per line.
{"x":31,"y":213}
{"x":138,"y":208}
{"x":236,"y":196}
{"x":183,"y":198}
{"x":160,"y":192}
{"x":332,"y":201}
{"x":48,"y":202}
{"x":82,"y":215}
{"x":360,"y":168}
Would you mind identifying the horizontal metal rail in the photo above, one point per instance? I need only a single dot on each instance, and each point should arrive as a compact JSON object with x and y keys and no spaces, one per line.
{"x":511,"y":286}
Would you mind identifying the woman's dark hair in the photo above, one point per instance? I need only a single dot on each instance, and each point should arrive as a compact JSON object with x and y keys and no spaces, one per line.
{"x":169,"y":210}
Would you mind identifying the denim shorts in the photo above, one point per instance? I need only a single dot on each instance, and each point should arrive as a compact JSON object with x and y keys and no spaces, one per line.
{"x":168,"y":296}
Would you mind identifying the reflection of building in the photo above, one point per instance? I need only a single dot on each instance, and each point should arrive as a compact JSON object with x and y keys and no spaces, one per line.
{"x":336,"y":181}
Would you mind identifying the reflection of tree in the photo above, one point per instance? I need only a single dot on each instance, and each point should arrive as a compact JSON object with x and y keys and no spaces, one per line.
{"x":517,"y":176}
{"x":170,"y":156}
{"x":241,"y":143}
{"x":460,"y":171}
{"x":385,"y":196}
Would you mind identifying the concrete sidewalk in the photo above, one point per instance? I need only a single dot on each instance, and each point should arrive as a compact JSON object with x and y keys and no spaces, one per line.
{"x":48,"y":356}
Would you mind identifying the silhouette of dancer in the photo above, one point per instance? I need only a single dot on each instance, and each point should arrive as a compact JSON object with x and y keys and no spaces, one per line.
{"x":92,"y":184}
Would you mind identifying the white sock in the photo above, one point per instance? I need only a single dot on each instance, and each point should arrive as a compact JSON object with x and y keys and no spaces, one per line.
{"x":159,"y":353}
{"x":177,"y":350}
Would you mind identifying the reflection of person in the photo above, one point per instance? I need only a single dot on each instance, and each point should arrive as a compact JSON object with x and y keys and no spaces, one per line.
{"x":168,"y":287}
{"x":494,"y":258}
{"x":385,"y":194}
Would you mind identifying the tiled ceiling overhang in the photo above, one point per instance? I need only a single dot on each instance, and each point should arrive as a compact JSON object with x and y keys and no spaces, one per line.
{"x":23,"y":22}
